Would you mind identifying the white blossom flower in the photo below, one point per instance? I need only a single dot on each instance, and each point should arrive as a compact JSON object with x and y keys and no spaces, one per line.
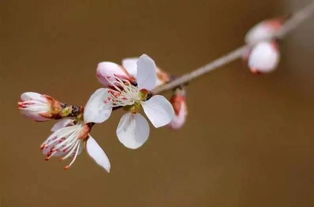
{"x":133,"y":129}
{"x":178,"y":102}
{"x":70,"y":135}
{"x":263,"y":57}
{"x":264,"y":30}
{"x":39,"y":107}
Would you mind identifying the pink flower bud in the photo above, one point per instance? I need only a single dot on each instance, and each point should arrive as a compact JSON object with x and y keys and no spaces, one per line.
{"x":263,"y":31}
{"x":39,"y":107}
{"x":107,"y":72}
{"x":264,"y":57}
{"x":179,"y":105}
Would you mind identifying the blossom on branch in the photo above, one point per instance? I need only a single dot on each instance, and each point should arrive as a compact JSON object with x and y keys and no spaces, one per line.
{"x":133,"y":129}
{"x":264,"y":57}
{"x":70,"y":135}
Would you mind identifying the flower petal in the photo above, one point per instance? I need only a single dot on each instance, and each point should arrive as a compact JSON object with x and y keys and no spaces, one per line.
{"x":108,"y":71}
{"x":159,"y":110}
{"x":130,"y":64}
{"x":27,"y":96}
{"x":133,"y":130}
{"x":97,"y":153}
{"x":146,"y":73}
{"x":96,"y":110}
{"x":62,"y":123}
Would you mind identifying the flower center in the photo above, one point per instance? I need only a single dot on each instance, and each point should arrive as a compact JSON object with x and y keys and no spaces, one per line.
{"x":126,"y":95}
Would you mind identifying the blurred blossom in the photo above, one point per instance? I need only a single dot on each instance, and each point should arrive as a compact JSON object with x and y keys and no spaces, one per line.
{"x":265,"y":30}
{"x":69,"y":135}
{"x":39,"y":107}
{"x":178,"y":101}
{"x":263,"y":57}
{"x":133,"y":128}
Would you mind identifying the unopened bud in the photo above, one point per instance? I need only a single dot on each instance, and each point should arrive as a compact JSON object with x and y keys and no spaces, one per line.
{"x":39,"y":107}
{"x":264,"y":57}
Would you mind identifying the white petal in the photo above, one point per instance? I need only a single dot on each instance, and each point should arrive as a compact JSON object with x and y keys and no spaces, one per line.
{"x":264,"y":57}
{"x":159,"y":110}
{"x":130,"y":64}
{"x":62,"y":123}
{"x":27,"y":96}
{"x":133,"y":130}
{"x":96,"y":110}
{"x":97,"y":153}
{"x":146,"y":73}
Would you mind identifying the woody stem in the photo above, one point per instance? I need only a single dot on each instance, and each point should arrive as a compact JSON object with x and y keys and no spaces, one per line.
{"x":295,"y":20}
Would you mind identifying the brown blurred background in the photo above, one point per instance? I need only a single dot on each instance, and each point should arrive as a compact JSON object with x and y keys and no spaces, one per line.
{"x":249,"y":140}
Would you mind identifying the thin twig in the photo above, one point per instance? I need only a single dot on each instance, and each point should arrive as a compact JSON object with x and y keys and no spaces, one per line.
{"x":289,"y":25}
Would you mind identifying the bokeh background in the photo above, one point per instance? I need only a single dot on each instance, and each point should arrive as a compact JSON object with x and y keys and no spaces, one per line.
{"x":248,"y":141}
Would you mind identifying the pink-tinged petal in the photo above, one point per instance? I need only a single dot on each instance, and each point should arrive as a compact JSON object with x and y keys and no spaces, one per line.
{"x":263,"y":31}
{"x":107,"y":72}
{"x":34,"y":115}
{"x":146,"y":73}
{"x":158,"y":110}
{"x":27,"y":96}
{"x":62,"y":123}
{"x":178,"y":121}
{"x":130,"y":64}
{"x":264,"y":57}
{"x":96,"y":110}
{"x":97,"y":153}
{"x":133,"y":130}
